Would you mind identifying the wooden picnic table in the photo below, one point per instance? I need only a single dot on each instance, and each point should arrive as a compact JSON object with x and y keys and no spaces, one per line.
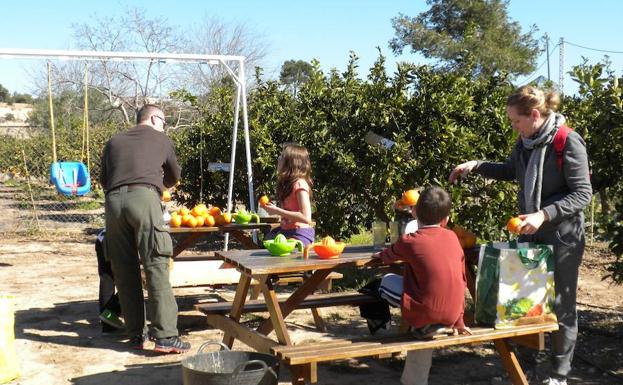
{"x":238,"y":231}
{"x":259,"y":265}
{"x":264,"y":268}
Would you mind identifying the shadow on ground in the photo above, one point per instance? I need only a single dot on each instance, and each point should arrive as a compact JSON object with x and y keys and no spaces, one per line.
{"x":77,"y":324}
{"x":143,"y":374}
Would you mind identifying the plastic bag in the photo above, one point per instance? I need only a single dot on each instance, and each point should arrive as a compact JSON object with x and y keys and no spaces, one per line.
{"x":515,"y":284}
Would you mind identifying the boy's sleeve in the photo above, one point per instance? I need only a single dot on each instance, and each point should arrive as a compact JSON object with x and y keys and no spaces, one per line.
{"x":396,"y":252}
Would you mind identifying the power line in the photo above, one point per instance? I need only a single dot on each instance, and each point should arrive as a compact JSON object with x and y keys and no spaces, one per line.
{"x":535,"y":74}
{"x":592,"y":49}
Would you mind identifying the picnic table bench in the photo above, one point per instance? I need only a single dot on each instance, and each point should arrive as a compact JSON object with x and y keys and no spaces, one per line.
{"x":313,"y":301}
{"x":303,"y":359}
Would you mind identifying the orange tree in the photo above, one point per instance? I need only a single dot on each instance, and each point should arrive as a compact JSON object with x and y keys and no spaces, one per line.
{"x":436,"y":119}
{"x":597,"y":113}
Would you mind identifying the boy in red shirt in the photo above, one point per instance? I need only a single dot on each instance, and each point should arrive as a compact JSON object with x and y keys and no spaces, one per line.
{"x":433,"y":287}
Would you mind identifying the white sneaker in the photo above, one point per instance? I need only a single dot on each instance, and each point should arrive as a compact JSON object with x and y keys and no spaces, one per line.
{"x":555,"y":381}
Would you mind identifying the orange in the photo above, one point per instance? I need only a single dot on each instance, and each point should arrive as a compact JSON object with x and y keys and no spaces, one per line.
{"x":469,"y":240}
{"x":185,"y":219}
{"x":176,"y":221}
{"x":226,"y":217}
{"x":410,"y":197}
{"x":192,"y":222}
{"x":199,"y":210}
{"x":214,"y":211}
{"x":208,"y":220}
{"x":264,"y":200}
{"x":200,"y":220}
{"x":166,"y":196}
{"x":184,"y":211}
{"x":514,"y":225}
{"x":223,"y":219}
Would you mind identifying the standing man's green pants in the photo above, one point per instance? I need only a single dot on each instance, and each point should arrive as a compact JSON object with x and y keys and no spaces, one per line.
{"x":134,"y":221}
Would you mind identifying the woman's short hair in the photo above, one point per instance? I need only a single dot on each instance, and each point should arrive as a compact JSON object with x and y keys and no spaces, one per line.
{"x":528,"y":98}
{"x":433,"y":205}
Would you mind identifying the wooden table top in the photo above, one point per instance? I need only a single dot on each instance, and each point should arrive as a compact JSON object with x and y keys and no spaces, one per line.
{"x":223,"y":229}
{"x":258,"y":262}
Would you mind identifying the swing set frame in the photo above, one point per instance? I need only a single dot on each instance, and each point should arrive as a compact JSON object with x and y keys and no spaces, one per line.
{"x":238,"y":76}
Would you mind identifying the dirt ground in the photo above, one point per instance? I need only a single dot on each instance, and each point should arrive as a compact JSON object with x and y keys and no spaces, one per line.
{"x":54,"y":283}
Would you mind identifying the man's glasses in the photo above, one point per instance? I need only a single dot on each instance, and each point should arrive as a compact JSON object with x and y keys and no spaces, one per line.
{"x":164,"y":122}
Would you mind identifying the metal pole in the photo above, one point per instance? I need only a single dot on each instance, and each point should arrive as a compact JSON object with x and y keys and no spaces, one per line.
{"x":561,"y":66}
{"x":247,"y":142}
{"x":547,"y":53}
{"x":232,"y":161}
{"x":11,"y":53}
{"x":51,"y":111}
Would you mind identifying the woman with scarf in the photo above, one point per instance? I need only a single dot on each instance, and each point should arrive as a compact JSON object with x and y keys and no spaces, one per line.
{"x":551,"y":202}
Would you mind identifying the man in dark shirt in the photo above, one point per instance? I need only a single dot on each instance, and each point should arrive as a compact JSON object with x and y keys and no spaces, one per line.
{"x":136,"y":166}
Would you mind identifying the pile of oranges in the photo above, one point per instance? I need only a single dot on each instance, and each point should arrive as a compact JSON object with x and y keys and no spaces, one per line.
{"x":199,"y":216}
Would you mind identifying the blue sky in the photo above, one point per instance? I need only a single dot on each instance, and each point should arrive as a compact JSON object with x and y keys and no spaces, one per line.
{"x":325,"y":30}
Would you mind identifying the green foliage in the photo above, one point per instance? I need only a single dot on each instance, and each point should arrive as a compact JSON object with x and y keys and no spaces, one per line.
{"x":436,"y":120}
{"x":294,"y":73}
{"x":468,"y":34}
{"x":597,"y":113}
{"x":5,"y":96}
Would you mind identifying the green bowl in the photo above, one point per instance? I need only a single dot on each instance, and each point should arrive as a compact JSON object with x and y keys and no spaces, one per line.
{"x":243,"y":218}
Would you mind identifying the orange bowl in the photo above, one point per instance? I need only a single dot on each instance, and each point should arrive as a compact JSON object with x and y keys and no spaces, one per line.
{"x":328,"y":252}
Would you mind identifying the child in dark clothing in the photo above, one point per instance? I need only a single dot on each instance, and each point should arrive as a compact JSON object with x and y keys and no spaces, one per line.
{"x":431,"y":293}
{"x":109,"y":306}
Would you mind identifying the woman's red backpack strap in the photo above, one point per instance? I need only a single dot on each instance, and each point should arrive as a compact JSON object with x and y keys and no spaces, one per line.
{"x":560,"y":138}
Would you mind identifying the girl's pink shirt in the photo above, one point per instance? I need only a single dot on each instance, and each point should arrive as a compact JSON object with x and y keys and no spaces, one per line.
{"x":291,"y":203}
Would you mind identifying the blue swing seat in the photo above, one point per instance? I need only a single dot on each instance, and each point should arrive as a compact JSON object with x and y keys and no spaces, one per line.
{"x":70,"y":178}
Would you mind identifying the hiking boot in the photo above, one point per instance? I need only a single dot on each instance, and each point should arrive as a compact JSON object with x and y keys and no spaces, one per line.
{"x":171,"y":345}
{"x":139,"y":342}
{"x":555,"y":381}
{"x":111,"y":319}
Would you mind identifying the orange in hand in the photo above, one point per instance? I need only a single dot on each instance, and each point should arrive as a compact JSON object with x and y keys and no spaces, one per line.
{"x":264,"y":200}
{"x":410,"y":197}
{"x":514,"y":225}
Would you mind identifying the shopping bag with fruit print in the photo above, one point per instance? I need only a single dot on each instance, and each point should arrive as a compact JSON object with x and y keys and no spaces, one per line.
{"x":515,"y":284}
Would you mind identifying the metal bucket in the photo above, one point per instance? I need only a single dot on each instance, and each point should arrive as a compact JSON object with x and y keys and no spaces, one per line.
{"x":226,"y":367}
